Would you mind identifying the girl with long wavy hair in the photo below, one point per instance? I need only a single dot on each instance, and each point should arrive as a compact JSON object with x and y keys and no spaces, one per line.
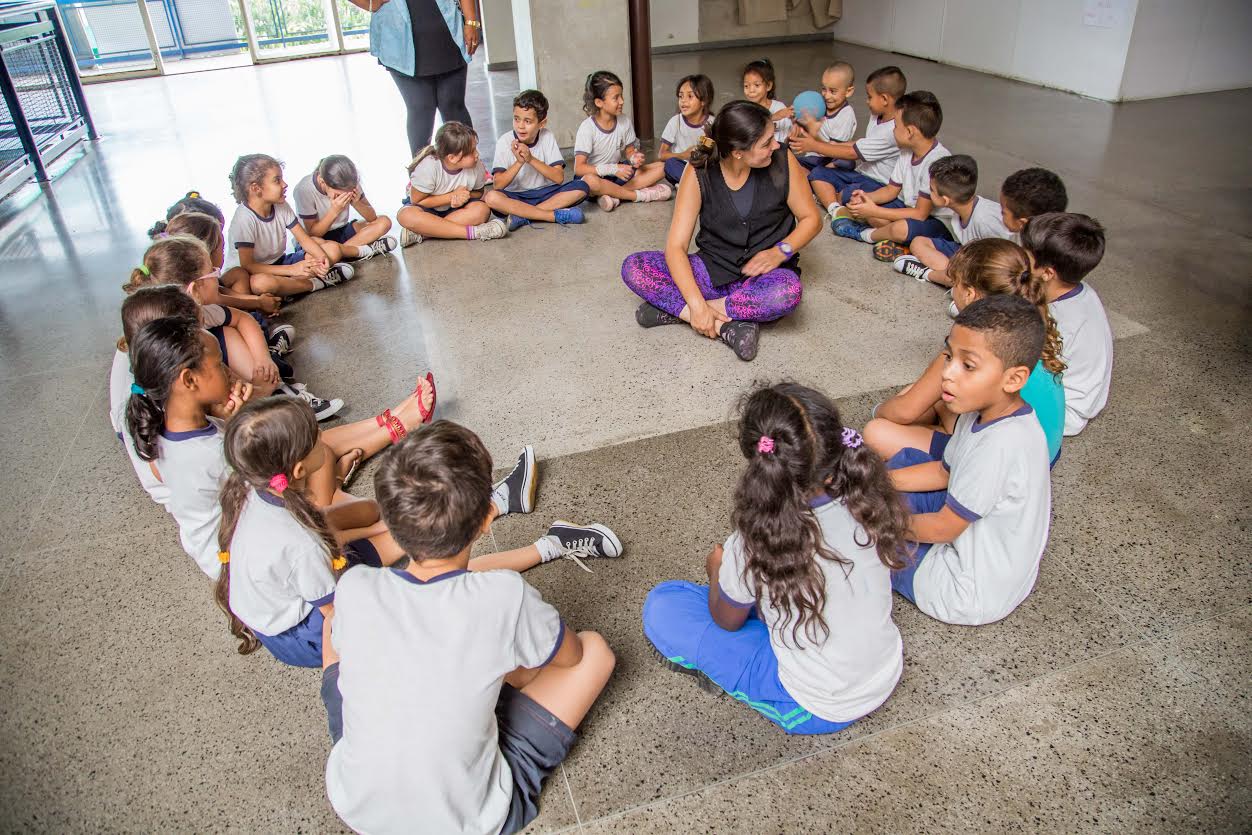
{"x":796,"y":619}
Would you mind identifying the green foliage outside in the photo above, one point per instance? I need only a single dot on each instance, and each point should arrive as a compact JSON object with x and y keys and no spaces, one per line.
{"x":298,"y":17}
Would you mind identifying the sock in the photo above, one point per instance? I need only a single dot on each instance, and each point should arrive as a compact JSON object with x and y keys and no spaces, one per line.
{"x":318,"y":284}
{"x":469,"y":233}
{"x":549,"y":548}
{"x":500,"y":500}
{"x":865,"y":235}
{"x":832,"y":208}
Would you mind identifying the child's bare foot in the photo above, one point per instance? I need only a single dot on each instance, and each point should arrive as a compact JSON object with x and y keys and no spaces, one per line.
{"x":418,"y":407}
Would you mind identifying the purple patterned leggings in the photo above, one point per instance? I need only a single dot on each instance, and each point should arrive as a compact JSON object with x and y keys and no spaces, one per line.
{"x":760,"y":299}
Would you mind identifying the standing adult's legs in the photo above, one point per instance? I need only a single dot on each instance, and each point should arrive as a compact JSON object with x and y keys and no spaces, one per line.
{"x":450,"y":96}
{"x":419,"y":103}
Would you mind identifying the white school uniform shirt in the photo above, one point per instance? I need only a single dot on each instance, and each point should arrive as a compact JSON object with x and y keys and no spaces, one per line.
{"x":544,"y":149}
{"x":431,"y":176}
{"x":783,"y":126}
{"x":193,"y":466}
{"x":267,"y":236}
{"x":1000,"y":484}
{"x":600,"y":145}
{"x":839,"y":126}
{"x":854,"y":670}
{"x":1087,"y":348}
{"x":120,"y":380}
{"x":279,"y":570}
{"x":877,"y":151}
{"x":420,"y":670}
{"x":985,"y":221}
{"x":680,"y":134}
{"x":912,"y":175}
{"x":311,"y":203}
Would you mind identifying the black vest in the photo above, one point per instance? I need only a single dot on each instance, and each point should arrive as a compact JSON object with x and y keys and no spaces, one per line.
{"x":726,"y":241}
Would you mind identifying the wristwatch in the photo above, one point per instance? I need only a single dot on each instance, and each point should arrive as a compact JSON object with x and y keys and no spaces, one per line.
{"x":785,"y":248}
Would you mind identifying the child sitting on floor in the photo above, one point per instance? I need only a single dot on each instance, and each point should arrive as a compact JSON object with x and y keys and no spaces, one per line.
{"x":901,"y":210}
{"x":796,"y":618}
{"x":258,"y":234}
{"x":323,"y":200}
{"x":684,"y":129}
{"x":520,"y":680}
{"x":604,"y":140}
{"x":954,"y":187}
{"x":446,"y":183}
{"x":874,"y":154}
{"x":811,"y":139}
{"x":1063,"y":249}
{"x":759,"y":85}
{"x":917,"y":416}
{"x":528,"y":170}
{"x":981,"y":514}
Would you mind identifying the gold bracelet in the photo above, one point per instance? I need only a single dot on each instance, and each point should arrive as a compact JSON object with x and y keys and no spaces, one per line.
{"x":474,"y":23}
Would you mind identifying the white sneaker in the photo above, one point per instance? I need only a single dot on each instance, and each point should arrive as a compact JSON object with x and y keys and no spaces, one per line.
{"x":323,"y":409}
{"x":579,"y":542}
{"x":491,"y":230}
{"x":654,"y":194}
{"x":607,"y":203}
{"x":408,"y":238}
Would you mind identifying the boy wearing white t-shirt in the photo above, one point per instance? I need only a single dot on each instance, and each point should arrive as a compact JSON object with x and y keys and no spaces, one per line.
{"x":903,"y":209}
{"x":451,"y":694}
{"x":1063,"y":249}
{"x":837,"y":125}
{"x":980,"y":515}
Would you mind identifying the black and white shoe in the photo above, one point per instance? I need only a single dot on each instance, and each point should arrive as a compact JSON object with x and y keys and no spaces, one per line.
{"x":338,"y":274}
{"x":380,"y":247}
{"x":515,"y":493}
{"x":323,"y":409}
{"x":580,"y":542}
{"x":281,"y":339}
{"x":912,"y":267}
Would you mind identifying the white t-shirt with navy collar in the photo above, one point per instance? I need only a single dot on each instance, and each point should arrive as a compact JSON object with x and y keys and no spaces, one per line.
{"x":193,"y":466}
{"x":431,"y":176}
{"x":985,"y":221}
{"x":602,"y":146}
{"x":312,"y":203}
{"x":783,"y":126}
{"x":544,"y":149}
{"x":1087,"y":348}
{"x":266,"y":236}
{"x":680,"y":135}
{"x":279,"y":569}
{"x":912,"y":174}
{"x":877,"y":151}
{"x":854,"y":670}
{"x":120,"y":380}
{"x":1000,"y":483}
{"x":420,"y":671}
{"x":839,"y":126}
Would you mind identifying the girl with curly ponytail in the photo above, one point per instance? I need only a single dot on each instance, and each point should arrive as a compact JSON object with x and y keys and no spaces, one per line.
{"x":796,"y":619}
{"x":917,"y":417}
{"x":279,"y":552}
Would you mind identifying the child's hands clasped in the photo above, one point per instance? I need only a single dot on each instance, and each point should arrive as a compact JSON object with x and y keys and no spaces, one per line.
{"x":314,"y":267}
{"x":625,"y":172}
{"x":521,"y":151}
{"x":269,"y":303}
{"x":459,"y":197}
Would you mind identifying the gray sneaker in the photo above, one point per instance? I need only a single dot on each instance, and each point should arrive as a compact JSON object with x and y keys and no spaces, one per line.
{"x":515,"y":493}
{"x":408,"y":238}
{"x":380,"y":247}
{"x":492,"y":230}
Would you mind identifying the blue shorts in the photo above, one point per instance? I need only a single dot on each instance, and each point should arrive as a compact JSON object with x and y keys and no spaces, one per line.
{"x":342,"y":234}
{"x":447,"y":210}
{"x":930,"y":502}
{"x":535,"y":196}
{"x":289,"y":259}
{"x":674,"y":168}
{"x":931,"y":227}
{"x":676,"y":620}
{"x":945,"y":246}
{"x":219,"y":333}
{"x":844,"y":178}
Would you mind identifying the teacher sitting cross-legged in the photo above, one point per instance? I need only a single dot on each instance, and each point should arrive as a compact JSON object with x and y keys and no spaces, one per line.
{"x":755,"y":211}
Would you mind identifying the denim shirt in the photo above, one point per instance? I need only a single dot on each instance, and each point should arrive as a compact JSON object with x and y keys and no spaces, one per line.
{"x":391,"y":34}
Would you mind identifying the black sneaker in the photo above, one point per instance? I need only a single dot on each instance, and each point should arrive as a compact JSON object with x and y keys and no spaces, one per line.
{"x":649,"y":316}
{"x":743,"y":338}
{"x":338,"y":274}
{"x":281,"y":339}
{"x":912,"y":267}
{"x":323,"y":409}
{"x":579,"y":542}
{"x":515,"y":493}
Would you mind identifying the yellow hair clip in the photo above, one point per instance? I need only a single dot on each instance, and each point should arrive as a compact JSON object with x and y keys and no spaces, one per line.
{"x":339,"y":563}
{"x":223,"y":557}
{"x":193,"y":194}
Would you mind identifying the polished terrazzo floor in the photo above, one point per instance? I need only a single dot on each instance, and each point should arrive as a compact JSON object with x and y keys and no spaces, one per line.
{"x":1116,"y":698}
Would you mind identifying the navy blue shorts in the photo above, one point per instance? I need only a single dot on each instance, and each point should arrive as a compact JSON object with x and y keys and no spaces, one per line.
{"x":342,"y":234}
{"x":219,"y":333}
{"x":931,"y":227}
{"x":535,"y":196}
{"x":447,"y":210}
{"x":844,"y":178}
{"x":674,"y":168}
{"x":929,"y":502}
{"x":299,"y":646}
{"x":289,"y":259}
{"x":533,"y":741}
{"x":945,"y":246}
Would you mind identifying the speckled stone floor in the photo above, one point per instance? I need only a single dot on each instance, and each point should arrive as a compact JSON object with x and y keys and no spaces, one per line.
{"x":1116,"y":698}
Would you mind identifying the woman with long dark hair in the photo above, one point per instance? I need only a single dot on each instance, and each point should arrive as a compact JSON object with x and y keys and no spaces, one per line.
{"x":755,"y":211}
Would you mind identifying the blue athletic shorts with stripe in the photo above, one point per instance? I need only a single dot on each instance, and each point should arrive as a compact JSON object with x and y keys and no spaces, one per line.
{"x":928,"y":502}
{"x":676,"y":620}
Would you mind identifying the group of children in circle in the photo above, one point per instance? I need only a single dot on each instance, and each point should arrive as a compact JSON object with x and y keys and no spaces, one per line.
{"x":945,"y":498}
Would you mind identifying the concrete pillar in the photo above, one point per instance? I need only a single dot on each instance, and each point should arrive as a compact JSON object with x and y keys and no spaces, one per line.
{"x":498,"y":34}
{"x":559,"y":42}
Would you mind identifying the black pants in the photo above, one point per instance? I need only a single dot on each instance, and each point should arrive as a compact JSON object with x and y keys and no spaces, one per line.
{"x":426,"y":93}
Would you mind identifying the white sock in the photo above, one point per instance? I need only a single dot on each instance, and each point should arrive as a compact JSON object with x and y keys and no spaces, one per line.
{"x":832,"y":208}
{"x":865,"y":235}
{"x":549,"y":548}
{"x":500,"y":500}
{"x":318,"y":284}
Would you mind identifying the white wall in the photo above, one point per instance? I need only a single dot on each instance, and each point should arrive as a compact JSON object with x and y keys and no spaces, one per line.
{"x":1048,"y":42}
{"x":674,"y":22}
{"x":1192,"y":47}
{"x":498,"y":31}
